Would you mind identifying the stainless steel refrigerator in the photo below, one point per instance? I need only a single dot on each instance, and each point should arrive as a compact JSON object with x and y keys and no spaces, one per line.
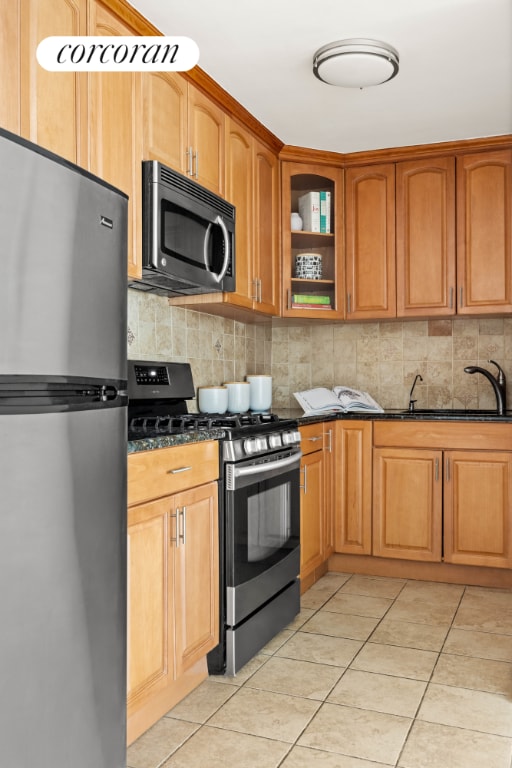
{"x":63,"y":237}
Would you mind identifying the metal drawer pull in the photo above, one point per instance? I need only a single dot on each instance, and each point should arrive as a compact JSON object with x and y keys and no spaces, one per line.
{"x":178,"y":470}
{"x":314,"y":439}
{"x":305,"y":486}
{"x":329,"y":447}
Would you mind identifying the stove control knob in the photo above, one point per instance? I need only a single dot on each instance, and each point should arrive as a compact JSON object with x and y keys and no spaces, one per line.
{"x":251,"y":445}
{"x":296,"y":436}
{"x":288,"y":438}
{"x":275,"y":441}
{"x":262,"y":443}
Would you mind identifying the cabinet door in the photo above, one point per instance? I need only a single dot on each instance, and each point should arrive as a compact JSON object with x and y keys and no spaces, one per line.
{"x":329,"y":463}
{"x":297,"y":179}
{"x":478,"y":508}
{"x":53,"y":104}
{"x":239,"y":192}
{"x":311,"y":512}
{"x":10,"y":62}
{"x":150,"y":614}
{"x":353,"y":487}
{"x":370,"y":241}
{"x":164,"y":119}
{"x":115,"y":154}
{"x":407,"y":504}
{"x":425,"y":237}
{"x":196,"y":577}
{"x":206,"y":138}
{"x":266,"y":208}
{"x":484,"y":232}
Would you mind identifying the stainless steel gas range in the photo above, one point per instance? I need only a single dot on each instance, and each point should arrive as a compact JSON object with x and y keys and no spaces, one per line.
{"x":259,"y":506}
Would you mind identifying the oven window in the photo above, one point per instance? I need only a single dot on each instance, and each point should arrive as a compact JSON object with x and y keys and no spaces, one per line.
{"x":262,"y":526}
{"x":268,"y":522}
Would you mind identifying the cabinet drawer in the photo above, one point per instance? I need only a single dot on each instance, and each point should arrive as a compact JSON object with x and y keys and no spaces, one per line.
{"x":474,"y":435}
{"x":312,"y":438}
{"x":152,"y":474}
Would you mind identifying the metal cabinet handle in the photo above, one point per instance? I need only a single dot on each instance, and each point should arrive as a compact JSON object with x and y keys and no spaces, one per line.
{"x":305,"y":486}
{"x":448,"y":478}
{"x":436,"y":471}
{"x":329,"y":446}
{"x":189,"y":153}
{"x":183,"y":531}
{"x":254,"y":296}
{"x":178,"y":470}
{"x":451,"y":297}
{"x":348,"y":304}
{"x":259,"y":290}
{"x":196,"y":160}
{"x":175,"y":539}
{"x":314,"y":439}
{"x":461,"y":296}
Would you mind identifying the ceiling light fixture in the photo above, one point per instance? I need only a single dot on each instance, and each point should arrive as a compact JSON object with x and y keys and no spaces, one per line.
{"x":356,"y":63}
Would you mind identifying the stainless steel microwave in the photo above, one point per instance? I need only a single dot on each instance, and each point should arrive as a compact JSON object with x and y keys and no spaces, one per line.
{"x":188,"y":235}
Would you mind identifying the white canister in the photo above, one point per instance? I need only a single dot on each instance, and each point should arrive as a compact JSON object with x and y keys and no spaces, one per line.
{"x":296,"y":222}
{"x":212,"y":399}
{"x":261,"y":392}
{"x":238,"y":396}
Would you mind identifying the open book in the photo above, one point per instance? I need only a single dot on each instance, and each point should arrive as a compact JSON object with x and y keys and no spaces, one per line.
{"x":322,"y":400}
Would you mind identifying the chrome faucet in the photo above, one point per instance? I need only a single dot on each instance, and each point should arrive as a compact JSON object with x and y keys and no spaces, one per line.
{"x":411,"y":401}
{"x":499,"y":384}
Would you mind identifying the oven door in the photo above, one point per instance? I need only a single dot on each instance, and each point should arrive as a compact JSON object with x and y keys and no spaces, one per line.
{"x":262,"y":504}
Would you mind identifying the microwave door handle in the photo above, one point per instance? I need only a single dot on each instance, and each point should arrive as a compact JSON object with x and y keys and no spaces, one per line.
{"x":220,"y":222}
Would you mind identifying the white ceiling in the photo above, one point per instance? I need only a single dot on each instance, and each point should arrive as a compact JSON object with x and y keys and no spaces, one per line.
{"x":455,"y":78}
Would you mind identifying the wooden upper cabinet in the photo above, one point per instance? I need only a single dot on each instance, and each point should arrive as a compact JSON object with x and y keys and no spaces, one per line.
{"x":10,"y":64}
{"x":267,"y":267}
{"x":484,"y":232}
{"x":53,"y":105}
{"x":370,"y":241}
{"x":239,"y":192}
{"x":115,"y":132}
{"x":425,"y":237}
{"x":205,"y":140}
{"x":164,"y":119}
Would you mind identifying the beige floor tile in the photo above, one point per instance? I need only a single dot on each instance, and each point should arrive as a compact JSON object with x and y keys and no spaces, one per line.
{"x":380,"y":693}
{"x":493,"y":615}
{"x":267,"y":714}
{"x":431,"y":592}
{"x":304,"y":615}
{"x":403,"y":633}
{"x":216,"y":748}
{"x":315,"y":599}
{"x":297,"y":678}
{"x":418,"y":612}
{"x":483,"y":645}
{"x":158,"y":743}
{"x":479,"y":674}
{"x":463,"y":708}
{"x":359,"y":605}
{"x":373,"y":586}
{"x":199,"y":705}
{"x":331,"y":581}
{"x":326,"y":622}
{"x":499,"y":597}
{"x":357,"y":732}
{"x":304,"y":757}
{"x":243,"y":674}
{"x":271,"y":647}
{"x":439,"y":746}
{"x":392,"y":660}
{"x":322,"y":649}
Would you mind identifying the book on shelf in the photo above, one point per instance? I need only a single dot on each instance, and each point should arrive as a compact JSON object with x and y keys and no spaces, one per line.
{"x":307,"y":298}
{"x":341,"y":399}
{"x":325,"y":211}
{"x":309,"y":210}
{"x":299,"y":305}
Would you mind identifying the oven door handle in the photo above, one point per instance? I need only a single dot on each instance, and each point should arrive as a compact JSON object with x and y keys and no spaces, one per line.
{"x":259,"y":469}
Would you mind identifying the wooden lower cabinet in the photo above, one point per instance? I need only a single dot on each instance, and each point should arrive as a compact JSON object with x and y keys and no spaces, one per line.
{"x":316,"y":497}
{"x":435,"y":504}
{"x":478,"y":508}
{"x":173,"y":603}
{"x":407,"y":503}
{"x":353,"y":487}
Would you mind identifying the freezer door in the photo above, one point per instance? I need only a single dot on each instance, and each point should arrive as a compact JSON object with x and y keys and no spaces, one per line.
{"x":63,"y":284}
{"x":63,"y":595}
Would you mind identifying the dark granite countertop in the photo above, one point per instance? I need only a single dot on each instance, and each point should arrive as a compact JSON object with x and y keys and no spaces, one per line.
{"x":399,"y":414}
{"x":168,"y":441}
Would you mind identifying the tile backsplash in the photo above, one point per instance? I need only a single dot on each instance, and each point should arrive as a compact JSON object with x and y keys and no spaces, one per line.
{"x":380,"y":357}
{"x":217,"y":349}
